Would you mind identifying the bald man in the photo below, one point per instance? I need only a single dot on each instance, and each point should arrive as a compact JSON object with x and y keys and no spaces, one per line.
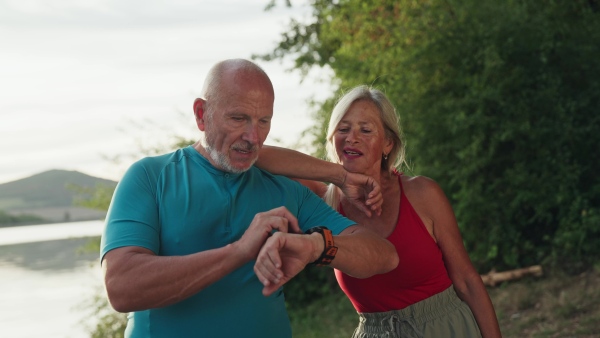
{"x":199,"y":242}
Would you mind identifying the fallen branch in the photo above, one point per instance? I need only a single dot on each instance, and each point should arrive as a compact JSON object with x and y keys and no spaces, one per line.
{"x":493,"y":277}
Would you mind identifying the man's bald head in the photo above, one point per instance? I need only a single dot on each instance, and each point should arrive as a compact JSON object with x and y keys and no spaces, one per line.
{"x":233,"y":72}
{"x":234,"y":113}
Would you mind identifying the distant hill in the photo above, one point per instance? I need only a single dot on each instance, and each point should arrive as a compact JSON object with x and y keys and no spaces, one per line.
{"x":47,"y":195}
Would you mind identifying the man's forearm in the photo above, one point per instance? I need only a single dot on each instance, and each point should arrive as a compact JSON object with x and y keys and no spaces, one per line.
{"x":139,"y":280}
{"x":362,"y":253}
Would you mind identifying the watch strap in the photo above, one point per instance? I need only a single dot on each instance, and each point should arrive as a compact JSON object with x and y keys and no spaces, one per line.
{"x":329,"y":249}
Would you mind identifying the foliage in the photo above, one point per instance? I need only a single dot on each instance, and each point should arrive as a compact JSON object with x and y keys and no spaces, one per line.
{"x":110,"y":324}
{"x":499,"y":104}
{"x":7,"y":219}
{"x":330,"y":315}
{"x":97,"y":197}
{"x":310,"y":284}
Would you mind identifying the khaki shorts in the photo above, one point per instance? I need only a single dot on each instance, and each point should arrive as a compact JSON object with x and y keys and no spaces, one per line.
{"x":440,"y":316}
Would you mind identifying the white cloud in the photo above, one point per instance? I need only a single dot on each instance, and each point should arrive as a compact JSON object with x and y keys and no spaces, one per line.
{"x":77,"y":72}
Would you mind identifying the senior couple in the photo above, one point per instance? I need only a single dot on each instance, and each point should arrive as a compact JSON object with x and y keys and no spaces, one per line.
{"x":200,"y":241}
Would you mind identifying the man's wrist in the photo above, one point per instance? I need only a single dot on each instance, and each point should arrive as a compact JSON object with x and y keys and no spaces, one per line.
{"x":329,"y":251}
{"x":238,"y":252}
{"x":318,"y":246}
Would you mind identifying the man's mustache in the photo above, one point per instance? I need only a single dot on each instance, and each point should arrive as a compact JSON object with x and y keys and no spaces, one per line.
{"x":245,"y":146}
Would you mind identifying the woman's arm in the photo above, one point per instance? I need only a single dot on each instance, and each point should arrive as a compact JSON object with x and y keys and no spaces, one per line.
{"x":362,"y":190}
{"x":294,"y":164}
{"x":435,"y":210}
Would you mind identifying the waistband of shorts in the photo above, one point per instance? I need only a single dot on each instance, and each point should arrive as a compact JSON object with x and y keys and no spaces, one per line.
{"x":418,"y":313}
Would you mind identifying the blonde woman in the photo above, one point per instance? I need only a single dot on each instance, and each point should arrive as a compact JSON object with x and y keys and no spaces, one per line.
{"x":435,"y":291}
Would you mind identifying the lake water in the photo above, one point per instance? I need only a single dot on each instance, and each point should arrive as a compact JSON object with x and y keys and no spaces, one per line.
{"x":47,"y":282}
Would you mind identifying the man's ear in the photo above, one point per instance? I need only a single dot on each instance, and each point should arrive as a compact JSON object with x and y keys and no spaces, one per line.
{"x":199,"y":113}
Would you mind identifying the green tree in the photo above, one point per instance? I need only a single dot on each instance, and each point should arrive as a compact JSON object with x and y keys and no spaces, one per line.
{"x":499,"y":102}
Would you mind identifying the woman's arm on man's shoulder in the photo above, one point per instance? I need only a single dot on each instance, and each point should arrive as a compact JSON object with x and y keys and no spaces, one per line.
{"x":363,"y":191}
{"x":295,"y":164}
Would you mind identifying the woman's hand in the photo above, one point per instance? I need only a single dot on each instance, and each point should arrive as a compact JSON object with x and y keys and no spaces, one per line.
{"x":363,"y":192}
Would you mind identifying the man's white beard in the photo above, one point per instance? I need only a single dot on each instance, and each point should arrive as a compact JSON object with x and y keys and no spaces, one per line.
{"x":223,"y":161}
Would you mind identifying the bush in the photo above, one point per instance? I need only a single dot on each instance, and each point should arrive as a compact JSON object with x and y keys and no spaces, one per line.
{"x":499,"y":103}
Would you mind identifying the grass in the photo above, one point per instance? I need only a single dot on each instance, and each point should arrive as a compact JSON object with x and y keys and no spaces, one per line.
{"x":553,"y":306}
{"x":332,"y":316}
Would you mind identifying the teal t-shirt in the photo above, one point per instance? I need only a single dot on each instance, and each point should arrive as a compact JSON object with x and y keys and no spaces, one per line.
{"x":179,"y":204}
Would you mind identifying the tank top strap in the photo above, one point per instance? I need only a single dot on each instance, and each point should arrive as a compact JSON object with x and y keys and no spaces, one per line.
{"x":399,"y":175}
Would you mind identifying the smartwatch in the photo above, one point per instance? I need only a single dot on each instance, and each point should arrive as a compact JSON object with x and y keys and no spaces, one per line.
{"x":329,"y":250}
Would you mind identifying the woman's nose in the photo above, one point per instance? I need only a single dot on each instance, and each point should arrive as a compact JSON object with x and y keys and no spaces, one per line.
{"x":351,"y":138}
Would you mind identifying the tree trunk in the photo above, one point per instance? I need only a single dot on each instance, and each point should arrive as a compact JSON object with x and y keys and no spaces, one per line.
{"x":494,"y":277}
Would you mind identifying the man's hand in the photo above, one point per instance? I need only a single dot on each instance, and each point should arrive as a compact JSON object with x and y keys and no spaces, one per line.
{"x":364,"y":193}
{"x":262,"y":227}
{"x":283,"y":256}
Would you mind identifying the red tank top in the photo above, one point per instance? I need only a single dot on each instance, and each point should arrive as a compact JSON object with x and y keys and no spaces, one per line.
{"x":420,"y":274}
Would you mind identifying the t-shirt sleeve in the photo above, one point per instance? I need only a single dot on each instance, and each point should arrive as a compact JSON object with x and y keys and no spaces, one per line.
{"x":315,"y":212}
{"x":132,"y":218}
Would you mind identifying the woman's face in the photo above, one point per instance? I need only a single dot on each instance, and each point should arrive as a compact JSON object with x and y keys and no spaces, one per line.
{"x":360,"y":140}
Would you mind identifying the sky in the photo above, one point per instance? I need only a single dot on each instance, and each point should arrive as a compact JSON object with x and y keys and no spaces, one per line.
{"x":84,"y":82}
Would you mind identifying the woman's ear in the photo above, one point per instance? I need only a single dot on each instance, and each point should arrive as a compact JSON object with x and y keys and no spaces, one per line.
{"x":388,"y":145}
{"x":199,"y":113}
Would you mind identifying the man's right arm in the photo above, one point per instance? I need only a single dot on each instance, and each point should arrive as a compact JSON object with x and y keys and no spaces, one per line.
{"x":138,"y":279}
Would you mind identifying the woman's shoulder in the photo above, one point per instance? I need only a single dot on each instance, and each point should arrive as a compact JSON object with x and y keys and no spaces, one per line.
{"x":420,"y":187}
{"x":418,"y":182}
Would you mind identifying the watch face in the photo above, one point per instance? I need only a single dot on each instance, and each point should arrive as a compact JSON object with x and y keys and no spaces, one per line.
{"x":316,"y":229}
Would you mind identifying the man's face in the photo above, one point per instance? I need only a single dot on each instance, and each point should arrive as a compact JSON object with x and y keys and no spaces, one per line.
{"x":236,"y":128}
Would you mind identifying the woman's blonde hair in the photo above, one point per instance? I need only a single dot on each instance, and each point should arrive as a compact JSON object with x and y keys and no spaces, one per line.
{"x":391,"y":125}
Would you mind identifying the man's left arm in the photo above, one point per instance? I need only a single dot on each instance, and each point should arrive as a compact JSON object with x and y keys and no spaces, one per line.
{"x":361,"y":253}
